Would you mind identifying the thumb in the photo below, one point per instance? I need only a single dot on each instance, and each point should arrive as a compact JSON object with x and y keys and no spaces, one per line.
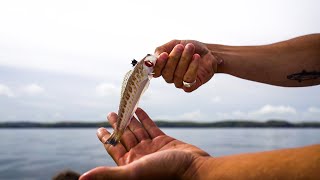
{"x":106,"y":173}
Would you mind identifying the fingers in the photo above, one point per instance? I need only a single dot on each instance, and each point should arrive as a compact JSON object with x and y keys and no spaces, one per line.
{"x":128,"y":139}
{"x":150,"y":127}
{"x":166,"y":47}
{"x":137,"y":129}
{"x":116,"y":152}
{"x":191,"y":74}
{"x":106,"y":173}
{"x":162,"y":53}
{"x":183,"y":65}
{"x":173,"y":60}
{"x":160,"y":64}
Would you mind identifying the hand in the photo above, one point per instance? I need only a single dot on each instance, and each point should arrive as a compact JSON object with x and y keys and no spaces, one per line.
{"x":185,"y":60}
{"x":145,"y":152}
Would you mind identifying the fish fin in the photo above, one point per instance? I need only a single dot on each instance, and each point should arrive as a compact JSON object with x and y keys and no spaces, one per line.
{"x":125,"y":81}
{"x":113,"y":139}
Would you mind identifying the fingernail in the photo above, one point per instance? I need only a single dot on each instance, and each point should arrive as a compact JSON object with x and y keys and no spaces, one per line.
{"x":196,"y":56}
{"x":162,"y":55}
{"x":179,"y":47}
{"x":189,"y":46}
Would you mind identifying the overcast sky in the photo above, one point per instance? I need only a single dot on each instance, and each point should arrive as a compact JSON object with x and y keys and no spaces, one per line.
{"x":65,"y":60}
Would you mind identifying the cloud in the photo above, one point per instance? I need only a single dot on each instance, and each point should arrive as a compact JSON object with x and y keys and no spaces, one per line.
{"x":271,"y":110}
{"x":33,"y":89}
{"x":57,"y":115}
{"x":193,"y":115}
{"x":68,"y":52}
{"x":5,"y":91}
{"x":216,"y":99}
{"x":106,"y":89}
{"x":263,"y":113}
{"x":313,"y":110}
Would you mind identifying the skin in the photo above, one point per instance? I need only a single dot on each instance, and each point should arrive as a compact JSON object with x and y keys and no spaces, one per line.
{"x":145,"y":151}
{"x":187,"y":60}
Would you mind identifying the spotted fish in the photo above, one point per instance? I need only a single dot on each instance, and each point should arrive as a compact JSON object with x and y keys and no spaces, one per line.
{"x":135,"y":82}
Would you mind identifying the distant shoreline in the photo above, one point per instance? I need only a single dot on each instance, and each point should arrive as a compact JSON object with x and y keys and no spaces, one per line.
{"x":169,"y":124}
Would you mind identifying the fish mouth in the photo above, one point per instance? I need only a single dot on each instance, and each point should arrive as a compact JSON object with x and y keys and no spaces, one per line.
{"x":148,"y":63}
{"x":150,"y":60}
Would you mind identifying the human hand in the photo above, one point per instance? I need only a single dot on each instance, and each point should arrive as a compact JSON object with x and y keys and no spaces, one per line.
{"x":185,"y":60}
{"x":145,"y":152}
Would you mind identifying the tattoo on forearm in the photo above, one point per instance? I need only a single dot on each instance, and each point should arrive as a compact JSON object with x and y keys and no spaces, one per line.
{"x":304,"y":75}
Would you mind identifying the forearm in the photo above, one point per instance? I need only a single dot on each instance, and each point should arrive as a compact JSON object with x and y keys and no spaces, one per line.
{"x":297,"y":163}
{"x":295,"y":62}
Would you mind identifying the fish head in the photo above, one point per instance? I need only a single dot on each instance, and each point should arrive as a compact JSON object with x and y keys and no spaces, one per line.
{"x":149,"y":62}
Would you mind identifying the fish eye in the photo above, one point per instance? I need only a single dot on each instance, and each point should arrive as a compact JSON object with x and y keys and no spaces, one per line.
{"x":134,"y":62}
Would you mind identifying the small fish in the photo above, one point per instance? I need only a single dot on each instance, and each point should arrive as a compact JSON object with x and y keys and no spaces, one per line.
{"x":135,"y":83}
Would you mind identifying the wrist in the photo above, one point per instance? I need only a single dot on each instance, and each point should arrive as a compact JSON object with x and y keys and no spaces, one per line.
{"x":197,"y":169}
{"x":221,"y":53}
{"x":234,"y":58}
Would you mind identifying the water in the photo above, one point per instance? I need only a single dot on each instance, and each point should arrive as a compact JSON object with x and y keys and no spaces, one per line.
{"x":41,"y":153}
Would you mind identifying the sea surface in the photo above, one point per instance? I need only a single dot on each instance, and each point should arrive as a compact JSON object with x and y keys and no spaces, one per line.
{"x":41,"y":153}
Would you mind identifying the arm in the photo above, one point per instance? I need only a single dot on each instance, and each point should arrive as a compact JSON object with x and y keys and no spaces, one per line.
{"x":145,"y":152}
{"x":296,"y":163}
{"x":295,"y":62}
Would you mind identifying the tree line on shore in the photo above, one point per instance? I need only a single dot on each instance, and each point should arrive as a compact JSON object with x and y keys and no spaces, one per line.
{"x":170,"y":124}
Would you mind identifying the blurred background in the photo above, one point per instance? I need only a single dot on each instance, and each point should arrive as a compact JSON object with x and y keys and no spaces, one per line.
{"x":65,"y":61}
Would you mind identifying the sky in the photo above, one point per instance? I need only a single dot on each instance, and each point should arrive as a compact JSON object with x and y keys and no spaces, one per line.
{"x":65,"y":60}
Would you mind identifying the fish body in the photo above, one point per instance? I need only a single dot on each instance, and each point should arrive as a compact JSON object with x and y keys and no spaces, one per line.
{"x":134,"y":84}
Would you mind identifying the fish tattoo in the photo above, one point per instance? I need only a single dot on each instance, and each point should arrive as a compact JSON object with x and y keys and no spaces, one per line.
{"x":304,"y":75}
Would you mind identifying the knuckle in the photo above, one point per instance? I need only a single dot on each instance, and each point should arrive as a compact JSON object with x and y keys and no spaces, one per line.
{"x":165,"y":74}
{"x":177,"y":51}
{"x":167,"y":77}
{"x":188,"y":90}
{"x":173,"y":56}
{"x":178,"y":77}
{"x":160,"y":49}
{"x":156,"y":72}
{"x":156,"y":75}
{"x":188,"y":79}
{"x":168,"y":80}
{"x":178,"y":85}
{"x":185,"y":58}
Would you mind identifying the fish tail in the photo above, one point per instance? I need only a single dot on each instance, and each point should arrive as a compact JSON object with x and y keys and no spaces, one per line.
{"x":113,"y":139}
